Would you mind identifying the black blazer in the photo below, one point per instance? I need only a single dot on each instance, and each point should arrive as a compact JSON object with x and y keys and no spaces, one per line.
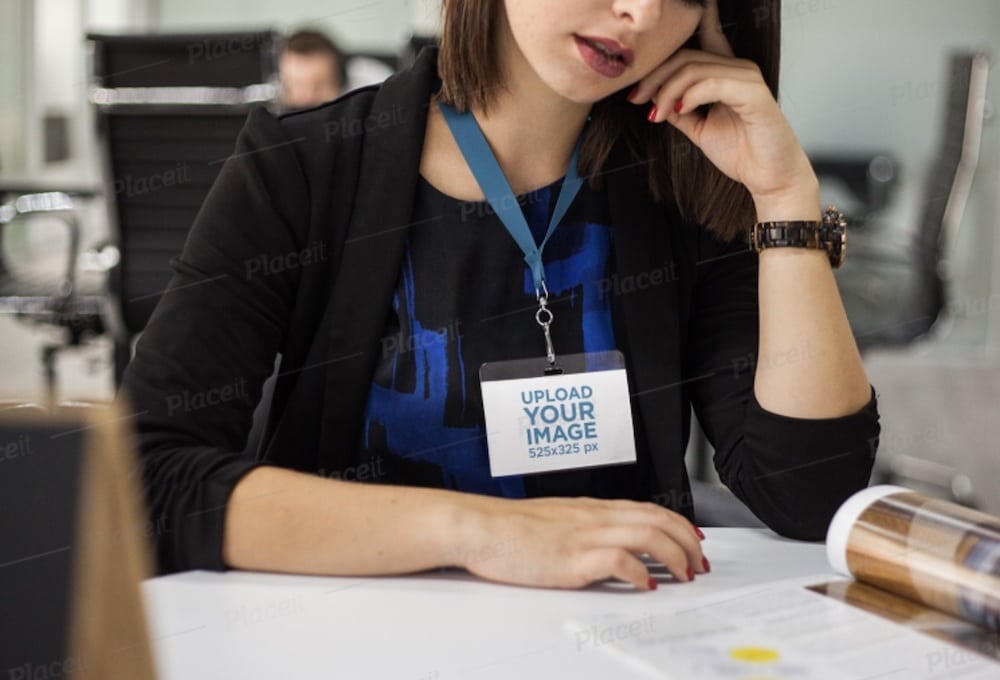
{"x":297,"y":250}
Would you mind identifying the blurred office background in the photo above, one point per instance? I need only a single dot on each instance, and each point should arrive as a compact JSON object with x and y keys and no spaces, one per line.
{"x":892,"y":99}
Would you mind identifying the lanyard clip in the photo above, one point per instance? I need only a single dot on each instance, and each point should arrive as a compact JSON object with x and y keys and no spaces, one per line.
{"x":544,"y":318}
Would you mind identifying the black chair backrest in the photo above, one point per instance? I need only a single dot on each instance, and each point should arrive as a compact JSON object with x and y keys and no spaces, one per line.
{"x":169,"y":109}
{"x":183,"y":59}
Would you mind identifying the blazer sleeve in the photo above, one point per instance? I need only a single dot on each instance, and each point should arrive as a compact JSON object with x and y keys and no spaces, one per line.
{"x":200,"y":364}
{"x":793,"y":473}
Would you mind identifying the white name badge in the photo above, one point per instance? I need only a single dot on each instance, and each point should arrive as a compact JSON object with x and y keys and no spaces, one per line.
{"x":541,"y":420}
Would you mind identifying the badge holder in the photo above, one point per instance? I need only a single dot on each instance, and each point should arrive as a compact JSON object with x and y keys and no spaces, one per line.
{"x":546,"y":414}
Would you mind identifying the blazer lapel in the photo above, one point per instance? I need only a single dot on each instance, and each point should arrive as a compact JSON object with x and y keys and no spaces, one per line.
{"x":376,"y":238}
{"x":647,"y":300}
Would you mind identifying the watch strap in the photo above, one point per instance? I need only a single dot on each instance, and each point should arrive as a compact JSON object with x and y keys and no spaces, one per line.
{"x":830,"y":235}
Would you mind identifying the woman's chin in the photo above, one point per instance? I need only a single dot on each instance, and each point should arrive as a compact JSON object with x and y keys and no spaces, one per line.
{"x":588,"y":94}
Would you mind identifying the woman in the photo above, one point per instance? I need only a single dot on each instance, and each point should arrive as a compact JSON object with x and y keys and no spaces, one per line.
{"x":353,"y":240}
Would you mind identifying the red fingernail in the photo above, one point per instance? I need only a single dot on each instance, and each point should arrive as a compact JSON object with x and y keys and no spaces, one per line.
{"x":704,"y":563}
{"x":700,"y":533}
{"x":652,"y":583}
{"x":652,"y":114}
{"x":678,"y":106}
{"x":633,"y":93}
{"x":690,"y":573}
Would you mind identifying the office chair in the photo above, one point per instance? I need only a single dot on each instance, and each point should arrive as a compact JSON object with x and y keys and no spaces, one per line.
{"x":169,"y":108}
{"x":63,"y":299}
{"x":861,"y":184}
{"x":895,"y":295}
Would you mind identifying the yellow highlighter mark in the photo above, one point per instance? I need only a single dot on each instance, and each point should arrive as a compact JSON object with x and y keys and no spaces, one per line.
{"x":754,"y":654}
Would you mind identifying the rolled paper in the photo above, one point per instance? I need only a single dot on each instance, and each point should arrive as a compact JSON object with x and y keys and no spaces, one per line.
{"x":931,"y":551}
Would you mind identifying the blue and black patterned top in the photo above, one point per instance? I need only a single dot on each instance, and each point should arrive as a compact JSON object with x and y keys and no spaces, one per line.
{"x":465,"y":297}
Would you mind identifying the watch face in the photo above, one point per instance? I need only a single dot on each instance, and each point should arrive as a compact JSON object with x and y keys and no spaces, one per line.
{"x":835,"y":228}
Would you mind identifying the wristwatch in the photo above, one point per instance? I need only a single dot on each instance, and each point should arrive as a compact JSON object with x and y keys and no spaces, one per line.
{"x":830,"y":235}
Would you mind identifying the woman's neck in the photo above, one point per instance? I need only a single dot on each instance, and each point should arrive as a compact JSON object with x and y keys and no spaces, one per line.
{"x":531,"y":129}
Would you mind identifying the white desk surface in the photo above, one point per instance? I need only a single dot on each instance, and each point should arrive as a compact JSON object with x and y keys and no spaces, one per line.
{"x":431,"y":626}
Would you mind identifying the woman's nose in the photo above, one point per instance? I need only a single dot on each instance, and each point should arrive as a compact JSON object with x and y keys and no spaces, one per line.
{"x":642,"y":14}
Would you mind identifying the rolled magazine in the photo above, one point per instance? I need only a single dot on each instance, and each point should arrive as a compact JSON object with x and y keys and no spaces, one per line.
{"x":927,"y":550}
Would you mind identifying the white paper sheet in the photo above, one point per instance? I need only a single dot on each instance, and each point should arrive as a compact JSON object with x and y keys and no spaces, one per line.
{"x":779,"y":630}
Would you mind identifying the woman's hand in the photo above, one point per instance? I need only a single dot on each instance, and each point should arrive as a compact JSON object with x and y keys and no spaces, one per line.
{"x":745,"y":134}
{"x":572,"y":542}
{"x":287,"y":521}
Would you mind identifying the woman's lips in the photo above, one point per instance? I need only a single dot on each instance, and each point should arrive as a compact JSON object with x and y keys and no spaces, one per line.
{"x":607,"y":57}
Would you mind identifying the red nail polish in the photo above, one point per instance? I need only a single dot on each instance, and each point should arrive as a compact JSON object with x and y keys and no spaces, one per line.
{"x":700,"y":533}
{"x":652,"y":114}
{"x":678,"y":106}
{"x":690,"y":573}
{"x":704,"y":563}
{"x":633,"y":93}
{"x":653,"y":585}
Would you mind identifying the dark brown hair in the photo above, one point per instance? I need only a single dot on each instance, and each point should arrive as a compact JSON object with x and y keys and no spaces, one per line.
{"x":469,"y":69}
{"x":309,"y":41}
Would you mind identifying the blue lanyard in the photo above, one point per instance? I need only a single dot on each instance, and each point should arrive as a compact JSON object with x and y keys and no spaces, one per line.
{"x":501,"y":197}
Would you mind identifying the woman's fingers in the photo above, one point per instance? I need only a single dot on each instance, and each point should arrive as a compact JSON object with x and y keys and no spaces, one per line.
{"x":715,"y":79}
{"x":600,"y":512}
{"x":672,"y":524}
{"x":646,"y":88}
{"x":599,"y":564}
{"x":640,"y":539}
{"x":744,"y":102}
{"x":644,"y":528}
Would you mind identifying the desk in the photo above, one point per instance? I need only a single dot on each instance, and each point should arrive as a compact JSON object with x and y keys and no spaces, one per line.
{"x":431,"y":626}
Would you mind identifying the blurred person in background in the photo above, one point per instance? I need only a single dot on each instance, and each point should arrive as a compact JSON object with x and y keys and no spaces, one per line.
{"x":312,"y":68}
